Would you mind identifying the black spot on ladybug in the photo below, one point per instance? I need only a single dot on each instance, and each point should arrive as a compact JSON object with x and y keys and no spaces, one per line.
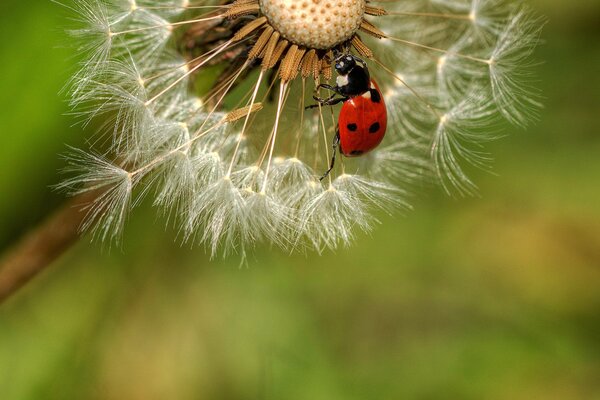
{"x":352,"y":127}
{"x":375,"y":96}
{"x":374,"y":127}
{"x":356,"y":153}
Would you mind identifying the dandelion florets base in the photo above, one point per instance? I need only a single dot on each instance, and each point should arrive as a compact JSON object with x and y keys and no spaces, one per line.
{"x":315,"y":24}
{"x":299,"y":36}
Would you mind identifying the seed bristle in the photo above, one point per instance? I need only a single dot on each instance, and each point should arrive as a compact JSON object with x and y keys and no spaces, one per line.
{"x":277,"y":53}
{"x":262,"y":41}
{"x":317,"y":67}
{"x":290,"y":66}
{"x":297,"y":61}
{"x":375,"y":11}
{"x":267,"y":53}
{"x":308,"y":63}
{"x":241,"y":8}
{"x":361,"y":47}
{"x":249,"y":28}
{"x":287,"y":63}
{"x":371,"y":29}
{"x":242,"y":112}
{"x":326,"y":69}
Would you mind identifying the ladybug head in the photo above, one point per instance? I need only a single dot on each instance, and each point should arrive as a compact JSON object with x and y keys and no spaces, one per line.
{"x":344,"y":63}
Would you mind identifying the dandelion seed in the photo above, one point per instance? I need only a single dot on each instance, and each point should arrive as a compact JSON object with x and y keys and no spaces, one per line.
{"x":204,"y":104}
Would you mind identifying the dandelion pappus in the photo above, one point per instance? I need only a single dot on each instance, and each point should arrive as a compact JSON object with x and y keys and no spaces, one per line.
{"x":181,"y":89}
{"x":362,"y":121}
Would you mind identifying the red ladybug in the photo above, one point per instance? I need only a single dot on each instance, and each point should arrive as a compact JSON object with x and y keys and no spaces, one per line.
{"x":363,"y":118}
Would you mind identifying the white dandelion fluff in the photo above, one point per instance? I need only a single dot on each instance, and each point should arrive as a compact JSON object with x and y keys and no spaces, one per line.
{"x":204,"y":108}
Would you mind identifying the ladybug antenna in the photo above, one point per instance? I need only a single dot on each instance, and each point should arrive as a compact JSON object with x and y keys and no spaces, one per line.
{"x":341,"y":51}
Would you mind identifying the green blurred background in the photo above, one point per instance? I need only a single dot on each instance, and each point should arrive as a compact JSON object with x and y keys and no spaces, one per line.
{"x":495,"y":297}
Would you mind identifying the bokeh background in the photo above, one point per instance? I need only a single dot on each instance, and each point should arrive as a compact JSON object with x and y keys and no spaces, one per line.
{"x":495,"y":297}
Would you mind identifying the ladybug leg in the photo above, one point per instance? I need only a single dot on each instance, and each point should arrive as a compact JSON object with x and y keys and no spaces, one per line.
{"x":331,"y":101}
{"x":335,"y":89}
{"x":336,"y":143}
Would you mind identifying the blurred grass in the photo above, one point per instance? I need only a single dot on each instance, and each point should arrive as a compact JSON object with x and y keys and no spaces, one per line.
{"x":35,"y":65}
{"x":494,"y":298}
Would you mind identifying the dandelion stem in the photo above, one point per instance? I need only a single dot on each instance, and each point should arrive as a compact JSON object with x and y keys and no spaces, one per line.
{"x":41,"y":247}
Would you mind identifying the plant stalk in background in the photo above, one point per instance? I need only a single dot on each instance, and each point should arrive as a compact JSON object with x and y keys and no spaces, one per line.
{"x":44,"y":244}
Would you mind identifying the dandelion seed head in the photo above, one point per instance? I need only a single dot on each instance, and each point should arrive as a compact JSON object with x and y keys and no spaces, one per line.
{"x":202,"y":108}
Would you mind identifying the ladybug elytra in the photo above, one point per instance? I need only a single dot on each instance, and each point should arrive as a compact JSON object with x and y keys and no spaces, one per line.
{"x":362,"y":121}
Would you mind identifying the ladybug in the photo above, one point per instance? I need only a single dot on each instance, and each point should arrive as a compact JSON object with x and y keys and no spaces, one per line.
{"x":363,"y":117}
